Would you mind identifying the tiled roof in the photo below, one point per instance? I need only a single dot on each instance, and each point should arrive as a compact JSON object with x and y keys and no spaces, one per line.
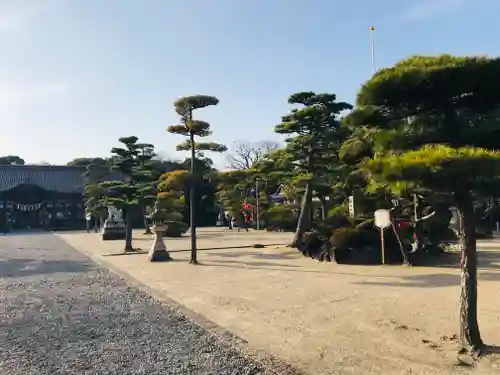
{"x":62,"y":179}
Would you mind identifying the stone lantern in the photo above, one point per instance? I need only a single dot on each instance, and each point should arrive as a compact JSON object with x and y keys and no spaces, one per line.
{"x":158,"y":251}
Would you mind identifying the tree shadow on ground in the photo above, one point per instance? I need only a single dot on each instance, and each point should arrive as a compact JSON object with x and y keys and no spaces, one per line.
{"x":491,"y":350}
{"x":262,"y":266}
{"x":23,"y":267}
{"x":256,"y":264}
{"x":486,"y":259}
{"x":436,"y":280}
{"x":288,"y":255}
{"x":223,"y":248}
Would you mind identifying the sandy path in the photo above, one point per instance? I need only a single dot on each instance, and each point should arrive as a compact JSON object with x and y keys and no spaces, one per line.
{"x":325,"y":318}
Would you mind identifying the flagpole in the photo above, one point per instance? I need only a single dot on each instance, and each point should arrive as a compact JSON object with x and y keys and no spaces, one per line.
{"x":372,"y":30}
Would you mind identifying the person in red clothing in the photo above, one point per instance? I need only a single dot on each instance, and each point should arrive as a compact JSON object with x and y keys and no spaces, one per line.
{"x":407,"y":233}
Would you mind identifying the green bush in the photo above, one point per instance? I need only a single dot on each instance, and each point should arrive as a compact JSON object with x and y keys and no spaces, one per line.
{"x":343,"y":238}
{"x":359,"y":237}
{"x":336,"y":222}
{"x":366,"y":224}
{"x":339,"y":211}
{"x":281,"y":217}
{"x":176,"y":229}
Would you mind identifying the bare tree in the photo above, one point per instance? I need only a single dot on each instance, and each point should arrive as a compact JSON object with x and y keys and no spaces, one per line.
{"x":244,"y":154}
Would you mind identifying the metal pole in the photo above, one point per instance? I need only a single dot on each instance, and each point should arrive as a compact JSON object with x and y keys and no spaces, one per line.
{"x":372,"y":31}
{"x":192,"y":196}
{"x":415,"y":207}
{"x":257,"y":208}
{"x":382,"y":242}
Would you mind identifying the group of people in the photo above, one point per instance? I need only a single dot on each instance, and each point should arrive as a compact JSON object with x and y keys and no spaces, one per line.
{"x":240,"y":221}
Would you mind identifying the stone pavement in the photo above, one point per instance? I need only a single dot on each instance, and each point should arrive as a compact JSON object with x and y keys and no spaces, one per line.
{"x":324,"y":318}
{"x":60,"y":313}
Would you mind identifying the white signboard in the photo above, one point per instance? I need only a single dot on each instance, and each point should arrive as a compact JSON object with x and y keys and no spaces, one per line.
{"x":382,"y":219}
{"x":351,"y":205}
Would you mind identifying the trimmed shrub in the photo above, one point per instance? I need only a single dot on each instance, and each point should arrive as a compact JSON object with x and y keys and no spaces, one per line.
{"x":336,"y":222}
{"x":176,"y":229}
{"x":280,"y":217}
{"x":366,"y":224}
{"x":315,"y":246}
{"x":340,"y":211}
{"x":343,"y":238}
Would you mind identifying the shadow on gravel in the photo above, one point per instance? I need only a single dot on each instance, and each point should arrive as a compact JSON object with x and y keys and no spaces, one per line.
{"x":29,"y":267}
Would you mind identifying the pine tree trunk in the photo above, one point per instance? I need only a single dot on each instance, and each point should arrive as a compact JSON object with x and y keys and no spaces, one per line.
{"x":128,"y":232}
{"x":304,"y":222}
{"x":101,"y":220}
{"x":145,"y":220}
{"x":324,"y":208}
{"x":192,"y":204}
{"x":469,"y":330}
{"x":400,"y":243}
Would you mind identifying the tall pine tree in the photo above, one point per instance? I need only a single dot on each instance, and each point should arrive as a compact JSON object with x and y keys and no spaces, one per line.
{"x":192,"y":128}
{"x":314,"y":133}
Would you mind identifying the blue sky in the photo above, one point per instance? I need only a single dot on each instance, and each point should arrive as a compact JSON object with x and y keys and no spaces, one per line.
{"x":77,"y":74}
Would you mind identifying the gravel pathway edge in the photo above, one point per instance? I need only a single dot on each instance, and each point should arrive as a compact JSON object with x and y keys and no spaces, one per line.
{"x":272,"y":364}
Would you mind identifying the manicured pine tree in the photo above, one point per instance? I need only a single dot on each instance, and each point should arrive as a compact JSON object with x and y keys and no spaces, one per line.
{"x":314,"y":132}
{"x":191,"y":128}
{"x":129,"y":160}
{"x":437,"y":119}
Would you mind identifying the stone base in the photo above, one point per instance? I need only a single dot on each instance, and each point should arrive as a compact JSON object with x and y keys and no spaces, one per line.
{"x":158,"y":251}
{"x":159,"y":255}
{"x":113,"y":230}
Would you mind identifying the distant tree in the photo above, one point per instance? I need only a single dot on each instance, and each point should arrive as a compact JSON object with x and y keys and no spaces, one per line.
{"x":83,"y":162}
{"x":314,"y":139}
{"x":146,"y":177}
{"x":192,"y":128}
{"x":161,"y":166}
{"x":243,"y":155}
{"x":11,"y":160}
{"x":95,"y":195}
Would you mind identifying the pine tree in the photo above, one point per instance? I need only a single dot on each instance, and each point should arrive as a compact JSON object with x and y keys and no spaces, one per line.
{"x":130,"y":161}
{"x":192,"y":128}
{"x":314,"y":133}
{"x":437,"y":120}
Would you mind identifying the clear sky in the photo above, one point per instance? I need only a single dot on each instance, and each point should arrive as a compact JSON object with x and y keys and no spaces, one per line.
{"x":77,"y":74}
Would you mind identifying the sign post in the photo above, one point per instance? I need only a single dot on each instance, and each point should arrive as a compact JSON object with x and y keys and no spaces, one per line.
{"x":351,"y":206}
{"x":382,"y":220}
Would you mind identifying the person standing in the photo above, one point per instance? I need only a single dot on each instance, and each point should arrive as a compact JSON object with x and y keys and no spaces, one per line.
{"x":228,"y":218}
{"x":246,"y":218}
{"x":242,"y":221}
{"x":88,"y":219}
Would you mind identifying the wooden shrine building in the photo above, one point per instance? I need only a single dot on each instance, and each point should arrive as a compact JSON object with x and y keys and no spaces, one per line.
{"x":41,"y":197}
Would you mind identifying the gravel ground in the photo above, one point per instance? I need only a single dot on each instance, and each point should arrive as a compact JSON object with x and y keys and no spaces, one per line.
{"x":62,"y":314}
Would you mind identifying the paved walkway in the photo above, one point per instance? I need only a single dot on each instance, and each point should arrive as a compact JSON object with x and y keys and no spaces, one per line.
{"x":62,"y":314}
{"x":322,"y":317}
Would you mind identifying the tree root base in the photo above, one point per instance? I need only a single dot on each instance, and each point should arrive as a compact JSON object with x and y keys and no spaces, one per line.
{"x":474,"y":351}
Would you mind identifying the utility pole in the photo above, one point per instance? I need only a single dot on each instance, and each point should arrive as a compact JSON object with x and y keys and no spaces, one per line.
{"x":372,"y":34}
{"x":257,"y":208}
